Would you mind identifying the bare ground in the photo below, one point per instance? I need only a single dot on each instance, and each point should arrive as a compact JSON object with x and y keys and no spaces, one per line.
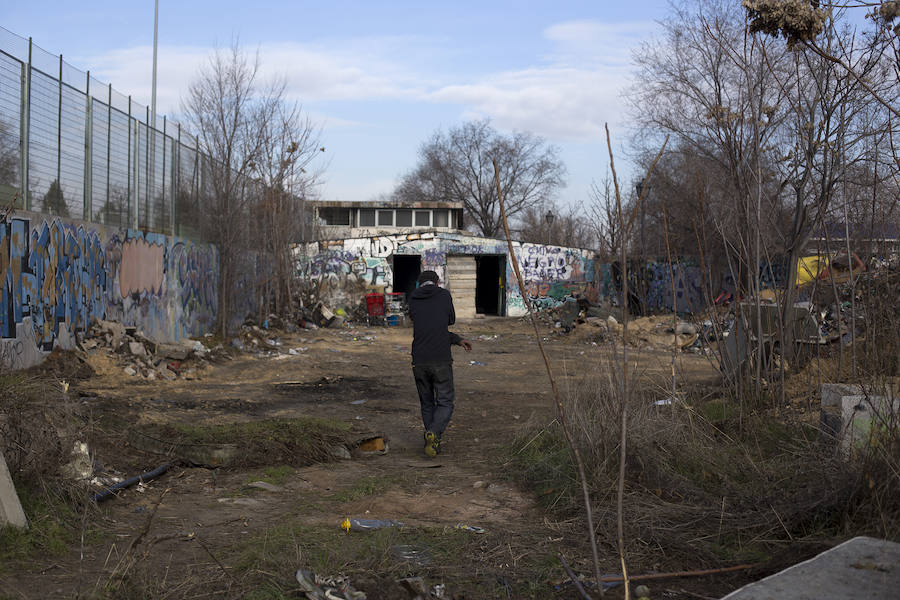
{"x":201,"y":532}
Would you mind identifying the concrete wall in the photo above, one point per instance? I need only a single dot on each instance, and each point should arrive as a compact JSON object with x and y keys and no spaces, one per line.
{"x":58,"y":276}
{"x":347,"y":267}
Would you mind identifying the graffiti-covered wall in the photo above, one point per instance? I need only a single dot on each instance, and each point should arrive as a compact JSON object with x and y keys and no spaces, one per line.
{"x":348,"y":267}
{"x":58,"y":276}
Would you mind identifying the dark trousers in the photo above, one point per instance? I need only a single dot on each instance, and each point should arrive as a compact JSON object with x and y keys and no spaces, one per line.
{"x":435,"y":385}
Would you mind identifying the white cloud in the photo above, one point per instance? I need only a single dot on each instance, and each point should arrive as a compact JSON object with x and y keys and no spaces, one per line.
{"x":567,"y":94}
{"x":571,"y":96}
{"x":356,"y":70}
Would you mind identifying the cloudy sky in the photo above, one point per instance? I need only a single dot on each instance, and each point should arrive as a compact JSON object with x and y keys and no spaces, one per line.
{"x":380,"y":77}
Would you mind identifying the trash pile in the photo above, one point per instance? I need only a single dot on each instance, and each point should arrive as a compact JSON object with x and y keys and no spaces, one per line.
{"x":339,"y":587}
{"x":146,"y":358}
{"x":252,"y":338}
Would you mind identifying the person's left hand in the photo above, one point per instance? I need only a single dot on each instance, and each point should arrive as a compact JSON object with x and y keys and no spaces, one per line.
{"x":466,"y":344}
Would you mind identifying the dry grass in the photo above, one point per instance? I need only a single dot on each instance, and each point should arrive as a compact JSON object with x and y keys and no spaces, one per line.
{"x":702,"y":492}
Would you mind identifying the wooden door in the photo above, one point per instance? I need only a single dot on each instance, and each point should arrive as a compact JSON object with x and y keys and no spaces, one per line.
{"x":461,"y":278}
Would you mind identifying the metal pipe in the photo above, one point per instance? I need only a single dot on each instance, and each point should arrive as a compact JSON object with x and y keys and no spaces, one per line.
{"x":148,"y":476}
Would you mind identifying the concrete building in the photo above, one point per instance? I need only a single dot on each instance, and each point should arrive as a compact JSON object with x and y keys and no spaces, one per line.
{"x":477,"y":271}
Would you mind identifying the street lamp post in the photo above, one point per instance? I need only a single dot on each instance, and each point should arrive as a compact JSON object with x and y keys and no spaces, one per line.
{"x":549,"y":218}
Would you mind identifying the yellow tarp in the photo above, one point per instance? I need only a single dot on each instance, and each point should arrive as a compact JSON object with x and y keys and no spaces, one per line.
{"x":809,"y":268}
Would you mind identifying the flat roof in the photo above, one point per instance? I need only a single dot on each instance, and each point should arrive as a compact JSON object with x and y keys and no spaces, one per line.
{"x":385,"y":204}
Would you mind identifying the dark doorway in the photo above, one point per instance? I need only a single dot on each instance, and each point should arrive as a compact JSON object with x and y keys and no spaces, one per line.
{"x":406,"y":270}
{"x":490,"y":285}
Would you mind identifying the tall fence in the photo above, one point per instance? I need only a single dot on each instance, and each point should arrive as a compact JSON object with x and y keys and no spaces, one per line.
{"x":74,"y":147}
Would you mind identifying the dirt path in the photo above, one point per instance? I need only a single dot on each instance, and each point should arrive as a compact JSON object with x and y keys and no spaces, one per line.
{"x":200,"y":525}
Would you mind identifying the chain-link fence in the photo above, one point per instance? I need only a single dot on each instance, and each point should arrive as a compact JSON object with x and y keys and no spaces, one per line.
{"x":74,"y":147}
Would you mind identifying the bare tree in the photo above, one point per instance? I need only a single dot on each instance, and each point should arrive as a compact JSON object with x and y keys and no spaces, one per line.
{"x":256,"y":145}
{"x":290,"y":146}
{"x":556,"y":225}
{"x":603,"y":218}
{"x":456,"y":166}
{"x":766,"y":134}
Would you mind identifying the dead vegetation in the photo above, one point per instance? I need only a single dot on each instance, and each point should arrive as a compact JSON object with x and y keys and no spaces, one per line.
{"x":698,"y":485}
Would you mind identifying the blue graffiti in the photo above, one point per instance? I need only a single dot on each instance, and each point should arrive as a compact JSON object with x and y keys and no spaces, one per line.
{"x":56,"y":275}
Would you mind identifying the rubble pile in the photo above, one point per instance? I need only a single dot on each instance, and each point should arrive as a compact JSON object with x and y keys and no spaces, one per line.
{"x":252,"y":338}
{"x":143,"y":357}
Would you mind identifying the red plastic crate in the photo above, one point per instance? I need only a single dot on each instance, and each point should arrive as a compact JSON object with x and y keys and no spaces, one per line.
{"x":375,"y":304}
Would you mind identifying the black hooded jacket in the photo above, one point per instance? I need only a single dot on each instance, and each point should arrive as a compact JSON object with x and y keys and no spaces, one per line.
{"x":431,"y":310}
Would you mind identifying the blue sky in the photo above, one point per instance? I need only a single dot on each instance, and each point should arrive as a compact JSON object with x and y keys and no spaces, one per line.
{"x":380,"y":77}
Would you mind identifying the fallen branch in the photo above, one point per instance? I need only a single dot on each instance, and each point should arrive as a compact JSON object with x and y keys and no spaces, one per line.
{"x":574,"y":579}
{"x":674,"y":574}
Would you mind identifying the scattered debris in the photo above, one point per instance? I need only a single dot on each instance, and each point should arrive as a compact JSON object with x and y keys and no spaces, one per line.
{"x":317,"y":587}
{"x":470,"y":528}
{"x":349,"y":524}
{"x":374,"y":445}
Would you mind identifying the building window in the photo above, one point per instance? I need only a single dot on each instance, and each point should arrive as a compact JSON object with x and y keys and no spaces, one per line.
{"x":333,"y":215}
{"x":423,"y":218}
{"x":386,"y":217}
{"x":367,"y":217}
{"x":440,"y":218}
{"x":404,"y":218}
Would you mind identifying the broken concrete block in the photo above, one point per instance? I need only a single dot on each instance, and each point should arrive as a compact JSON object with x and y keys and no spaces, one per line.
{"x":340,"y":451}
{"x":130,"y":371}
{"x":115,"y":331}
{"x":81,"y":466}
{"x":137,"y":349}
{"x":862,"y":567}
{"x":11,"y":512}
{"x":173,"y":351}
{"x":851,"y":415}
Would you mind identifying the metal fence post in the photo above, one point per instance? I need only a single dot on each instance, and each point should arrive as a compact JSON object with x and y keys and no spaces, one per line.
{"x":59,"y":134}
{"x":131,"y":218}
{"x":107,"y":204}
{"x":88,"y":148}
{"x":25,"y":124}
{"x":176,"y":184}
{"x":148,"y":184}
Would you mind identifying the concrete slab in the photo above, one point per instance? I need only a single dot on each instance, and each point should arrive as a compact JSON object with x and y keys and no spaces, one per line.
{"x":863,"y":567}
{"x":11,"y":512}
{"x":850,"y":413}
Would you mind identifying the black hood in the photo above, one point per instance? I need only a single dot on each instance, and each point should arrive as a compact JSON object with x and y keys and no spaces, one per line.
{"x":425,"y":291}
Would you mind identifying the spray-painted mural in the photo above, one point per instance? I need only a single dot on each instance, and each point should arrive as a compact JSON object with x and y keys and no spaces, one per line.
{"x":58,"y":277}
{"x":346,"y":268}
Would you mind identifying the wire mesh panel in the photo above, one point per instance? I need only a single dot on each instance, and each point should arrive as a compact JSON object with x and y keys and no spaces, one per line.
{"x":140,"y":166}
{"x":187,"y":209}
{"x":158,"y":213}
{"x":99,"y":160}
{"x":116,"y":208}
{"x":73,"y":123}
{"x":10,"y":130}
{"x":43,"y":145}
{"x":92,"y":153}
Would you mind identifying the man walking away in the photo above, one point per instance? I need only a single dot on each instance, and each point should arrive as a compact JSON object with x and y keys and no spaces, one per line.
{"x":431,"y":311}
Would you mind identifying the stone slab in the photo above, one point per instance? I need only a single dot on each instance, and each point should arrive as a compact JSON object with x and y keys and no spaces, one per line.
{"x":863,"y":567}
{"x":11,"y":512}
